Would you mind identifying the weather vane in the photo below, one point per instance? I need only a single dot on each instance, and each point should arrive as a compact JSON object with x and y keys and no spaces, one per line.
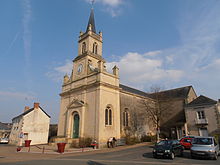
{"x":92,"y":3}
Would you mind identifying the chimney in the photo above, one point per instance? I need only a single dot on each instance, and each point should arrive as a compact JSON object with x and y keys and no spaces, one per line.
{"x":26,"y":108}
{"x":36,"y":105}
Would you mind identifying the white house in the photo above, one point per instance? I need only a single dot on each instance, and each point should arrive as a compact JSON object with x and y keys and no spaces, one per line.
{"x":32,"y":124}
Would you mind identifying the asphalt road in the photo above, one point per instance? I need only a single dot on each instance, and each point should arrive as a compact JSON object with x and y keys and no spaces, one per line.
{"x":139,"y":155}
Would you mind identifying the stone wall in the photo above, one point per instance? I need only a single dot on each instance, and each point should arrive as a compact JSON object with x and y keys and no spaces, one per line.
{"x":139,"y":123}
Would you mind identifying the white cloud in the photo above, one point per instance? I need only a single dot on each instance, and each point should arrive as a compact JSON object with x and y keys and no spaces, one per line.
{"x":113,"y":7}
{"x":15,"y":95}
{"x":65,"y":68}
{"x":27,"y":13}
{"x":153,"y":53}
{"x":138,"y":70}
{"x":57,"y":73}
{"x":27,"y":40}
{"x":112,"y":3}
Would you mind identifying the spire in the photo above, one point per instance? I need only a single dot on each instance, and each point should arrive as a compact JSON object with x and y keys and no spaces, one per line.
{"x":91,"y":22}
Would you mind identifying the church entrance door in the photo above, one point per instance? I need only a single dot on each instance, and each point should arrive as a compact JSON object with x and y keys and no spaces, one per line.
{"x":76,"y":126}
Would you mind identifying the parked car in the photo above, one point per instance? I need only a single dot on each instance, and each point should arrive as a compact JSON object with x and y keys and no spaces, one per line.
{"x":205,"y":147}
{"x":186,"y":142}
{"x":168,"y":149}
{"x":4,"y":140}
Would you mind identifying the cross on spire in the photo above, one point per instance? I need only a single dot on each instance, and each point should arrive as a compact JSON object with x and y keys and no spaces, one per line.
{"x":91,"y":23}
{"x":92,"y":3}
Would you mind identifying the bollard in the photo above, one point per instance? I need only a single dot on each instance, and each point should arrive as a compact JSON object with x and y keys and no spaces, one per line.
{"x":43,"y":150}
{"x":18,"y":149}
{"x":82,"y":149}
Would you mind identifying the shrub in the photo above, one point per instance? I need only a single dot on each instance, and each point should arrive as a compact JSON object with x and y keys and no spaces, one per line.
{"x":85,"y":142}
{"x":75,"y":144}
{"x":148,"y":138}
{"x":145,"y":138}
{"x":131,"y":140}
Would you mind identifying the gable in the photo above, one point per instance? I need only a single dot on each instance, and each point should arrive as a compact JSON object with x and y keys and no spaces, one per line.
{"x":177,"y":93}
{"x":202,"y":100}
{"x":76,"y":103}
{"x":28,"y":111}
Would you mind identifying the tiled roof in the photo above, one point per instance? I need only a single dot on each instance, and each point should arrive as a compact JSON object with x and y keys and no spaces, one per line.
{"x":173,"y":93}
{"x":202,"y":100}
{"x":28,"y":111}
{"x":4,"y":126}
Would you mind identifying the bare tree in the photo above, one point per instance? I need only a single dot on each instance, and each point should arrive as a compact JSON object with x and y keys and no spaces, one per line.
{"x":157,"y":109}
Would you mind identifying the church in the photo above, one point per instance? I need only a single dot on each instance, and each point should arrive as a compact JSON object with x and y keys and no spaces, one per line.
{"x":95,"y":105}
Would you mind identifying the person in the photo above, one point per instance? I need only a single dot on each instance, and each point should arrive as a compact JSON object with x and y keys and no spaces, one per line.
{"x":114,"y":142}
{"x":111,"y":142}
{"x":94,"y":144}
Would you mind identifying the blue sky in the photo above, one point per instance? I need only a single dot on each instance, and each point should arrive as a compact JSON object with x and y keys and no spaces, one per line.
{"x":168,"y":43}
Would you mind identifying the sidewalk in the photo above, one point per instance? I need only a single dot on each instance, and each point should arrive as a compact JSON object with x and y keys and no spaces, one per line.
{"x":47,"y":149}
{"x":8,"y":153}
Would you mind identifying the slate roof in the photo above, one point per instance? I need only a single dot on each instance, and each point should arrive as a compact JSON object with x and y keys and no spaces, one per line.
{"x":202,"y":100}
{"x":174,"y":93}
{"x":134,"y":91}
{"x":28,"y":111}
{"x":91,"y":21}
{"x":4,"y":126}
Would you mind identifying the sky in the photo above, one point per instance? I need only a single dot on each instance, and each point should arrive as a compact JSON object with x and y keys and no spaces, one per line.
{"x":166,"y":43}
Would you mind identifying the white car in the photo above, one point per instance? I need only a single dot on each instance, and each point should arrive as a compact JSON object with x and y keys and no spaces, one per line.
{"x":4,"y":140}
{"x":205,"y":147}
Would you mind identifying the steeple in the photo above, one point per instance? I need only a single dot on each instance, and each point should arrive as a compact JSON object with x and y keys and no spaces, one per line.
{"x":91,"y":22}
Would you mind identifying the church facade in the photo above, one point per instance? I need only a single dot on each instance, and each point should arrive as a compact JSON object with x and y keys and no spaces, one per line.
{"x":93,"y":102}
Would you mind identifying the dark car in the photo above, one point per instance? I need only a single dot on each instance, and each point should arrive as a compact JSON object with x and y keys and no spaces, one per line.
{"x":168,"y":149}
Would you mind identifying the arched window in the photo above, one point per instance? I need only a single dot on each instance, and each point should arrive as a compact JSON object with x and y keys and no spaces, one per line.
{"x":108,"y":116}
{"x":83,"y":47}
{"x":125,"y":118}
{"x":95,"y":48}
{"x":76,"y":121}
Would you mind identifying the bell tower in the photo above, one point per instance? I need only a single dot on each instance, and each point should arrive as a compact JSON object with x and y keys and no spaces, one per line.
{"x":89,"y":50}
{"x":90,"y":42}
{"x":90,"y":103}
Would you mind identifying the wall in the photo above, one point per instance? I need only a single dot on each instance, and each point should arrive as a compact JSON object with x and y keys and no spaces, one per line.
{"x":36,"y":124}
{"x":210,"y":114}
{"x":139,"y":123}
{"x":16,"y":129}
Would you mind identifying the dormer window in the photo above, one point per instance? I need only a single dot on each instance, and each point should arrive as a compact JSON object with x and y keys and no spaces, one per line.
{"x":95,"y":48}
{"x":83,"y":47}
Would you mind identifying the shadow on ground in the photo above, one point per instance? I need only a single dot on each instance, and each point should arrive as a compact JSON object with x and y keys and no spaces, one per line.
{"x":186,"y":155}
{"x":94,"y":163}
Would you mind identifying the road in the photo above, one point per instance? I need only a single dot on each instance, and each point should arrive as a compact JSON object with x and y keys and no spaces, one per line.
{"x":139,"y":155}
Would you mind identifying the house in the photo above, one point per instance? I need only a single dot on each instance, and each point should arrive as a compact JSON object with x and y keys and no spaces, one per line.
{"x":203,"y":116}
{"x":172,"y":103}
{"x":32,"y":124}
{"x":5,"y":129}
